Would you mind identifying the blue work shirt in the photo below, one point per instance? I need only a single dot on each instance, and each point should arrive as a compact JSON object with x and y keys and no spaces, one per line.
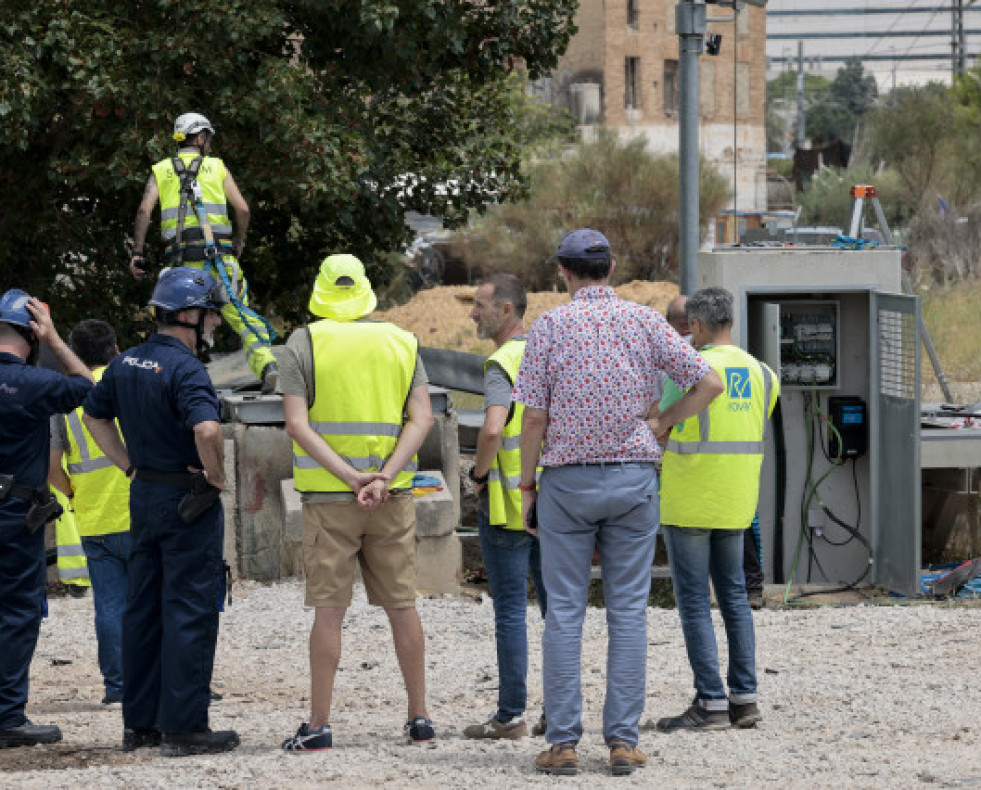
{"x":28,"y":398}
{"x":158,"y":391}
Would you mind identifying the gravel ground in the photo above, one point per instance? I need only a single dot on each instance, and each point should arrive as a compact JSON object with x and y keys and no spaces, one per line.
{"x":858,"y":696}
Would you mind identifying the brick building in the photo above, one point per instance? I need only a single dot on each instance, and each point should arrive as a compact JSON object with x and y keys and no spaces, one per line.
{"x":621,"y":72}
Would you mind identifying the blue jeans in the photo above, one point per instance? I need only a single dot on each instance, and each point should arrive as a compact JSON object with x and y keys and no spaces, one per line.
{"x":108,"y":558}
{"x":509,"y":557}
{"x":612,"y":507}
{"x":695,"y":555}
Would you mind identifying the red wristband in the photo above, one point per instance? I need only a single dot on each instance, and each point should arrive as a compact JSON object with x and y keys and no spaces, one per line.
{"x":529,"y":487}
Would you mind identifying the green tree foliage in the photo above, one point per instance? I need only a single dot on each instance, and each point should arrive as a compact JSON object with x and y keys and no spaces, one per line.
{"x":922,"y":159}
{"x":781,"y":104}
{"x":850,"y":95}
{"x":335,"y":119}
{"x":827,"y":201}
{"x":617,"y":187}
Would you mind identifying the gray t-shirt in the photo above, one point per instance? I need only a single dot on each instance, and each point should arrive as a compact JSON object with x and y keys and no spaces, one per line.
{"x":497,"y":385}
{"x":296,"y":376}
{"x":59,"y":432}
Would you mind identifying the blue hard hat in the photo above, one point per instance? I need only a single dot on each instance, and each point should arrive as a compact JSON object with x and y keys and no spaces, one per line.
{"x":13,"y":308}
{"x":185,"y":287}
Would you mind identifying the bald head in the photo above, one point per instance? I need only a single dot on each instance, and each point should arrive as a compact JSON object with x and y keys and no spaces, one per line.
{"x":677,"y":316}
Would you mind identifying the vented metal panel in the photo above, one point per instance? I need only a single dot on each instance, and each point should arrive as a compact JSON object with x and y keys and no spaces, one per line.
{"x":898,"y":357}
{"x":896,"y":446}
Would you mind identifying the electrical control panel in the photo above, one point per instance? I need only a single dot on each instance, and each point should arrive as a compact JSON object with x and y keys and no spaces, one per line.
{"x":809,"y":344}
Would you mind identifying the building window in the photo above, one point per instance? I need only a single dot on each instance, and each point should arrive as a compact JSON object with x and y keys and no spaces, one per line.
{"x":632,"y":14}
{"x":671,"y":93}
{"x":742,"y":22}
{"x":706,"y":88}
{"x":631,"y":83}
{"x":742,"y":89}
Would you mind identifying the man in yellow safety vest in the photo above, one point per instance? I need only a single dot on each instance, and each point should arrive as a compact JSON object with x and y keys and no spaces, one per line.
{"x":710,"y":483}
{"x":184,"y":236}
{"x":510,"y":553}
{"x":99,"y":491}
{"x":347,"y":382}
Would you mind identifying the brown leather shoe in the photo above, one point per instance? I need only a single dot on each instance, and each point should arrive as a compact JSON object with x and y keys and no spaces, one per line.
{"x":561,"y":760}
{"x":625,"y":759}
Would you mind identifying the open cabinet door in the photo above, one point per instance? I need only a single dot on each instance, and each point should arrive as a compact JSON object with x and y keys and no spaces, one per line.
{"x":894,"y":441}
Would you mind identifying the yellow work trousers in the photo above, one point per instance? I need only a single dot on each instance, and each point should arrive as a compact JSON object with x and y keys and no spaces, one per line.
{"x":254,"y":335}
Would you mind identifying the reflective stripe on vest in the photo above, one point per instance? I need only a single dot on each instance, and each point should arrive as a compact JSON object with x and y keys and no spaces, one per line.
{"x":72,"y":566}
{"x":711,"y":469}
{"x":101,"y":488}
{"x":362,"y":374}
{"x":211,"y":178}
{"x":503,"y":496}
{"x":705,"y":445}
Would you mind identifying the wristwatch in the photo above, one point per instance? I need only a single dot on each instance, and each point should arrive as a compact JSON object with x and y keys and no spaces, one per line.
{"x":479,"y":480}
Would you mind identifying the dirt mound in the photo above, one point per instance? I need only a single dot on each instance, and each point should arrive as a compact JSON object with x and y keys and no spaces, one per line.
{"x":440,"y":317}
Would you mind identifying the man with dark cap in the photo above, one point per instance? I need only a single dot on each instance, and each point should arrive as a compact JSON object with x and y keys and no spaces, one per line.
{"x":588,"y":381}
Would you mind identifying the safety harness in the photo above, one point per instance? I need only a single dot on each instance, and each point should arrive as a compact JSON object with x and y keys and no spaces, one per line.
{"x":190,"y":192}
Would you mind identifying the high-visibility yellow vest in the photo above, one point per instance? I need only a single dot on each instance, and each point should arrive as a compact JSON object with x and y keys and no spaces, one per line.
{"x":710,"y":475}
{"x":211,"y":178}
{"x":362,"y":375}
{"x":101,"y":488}
{"x":72,"y":566}
{"x":503,"y":495}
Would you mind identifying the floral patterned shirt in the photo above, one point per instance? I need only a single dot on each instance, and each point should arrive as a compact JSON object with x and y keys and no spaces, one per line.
{"x":593,"y":364}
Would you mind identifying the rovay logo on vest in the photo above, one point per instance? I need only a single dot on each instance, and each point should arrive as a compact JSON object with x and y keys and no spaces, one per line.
{"x":143,"y":364}
{"x":739,"y":389}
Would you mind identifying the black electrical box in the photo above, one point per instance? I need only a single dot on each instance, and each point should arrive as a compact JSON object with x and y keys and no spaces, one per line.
{"x":849,"y":417}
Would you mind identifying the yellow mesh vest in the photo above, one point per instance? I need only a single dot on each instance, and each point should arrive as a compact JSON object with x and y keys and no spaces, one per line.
{"x":101,"y":488}
{"x":503,"y":495}
{"x":710,"y":475}
{"x":362,"y":375}
{"x":211,"y":178}
{"x":72,"y":566}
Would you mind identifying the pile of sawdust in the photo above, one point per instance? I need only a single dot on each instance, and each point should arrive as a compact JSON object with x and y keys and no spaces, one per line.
{"x":440,"y":317}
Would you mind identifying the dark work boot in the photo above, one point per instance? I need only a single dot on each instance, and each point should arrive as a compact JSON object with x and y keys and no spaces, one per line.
{"x":181,"y":744}
{"x":28,"y":734}
{"x":270,"y":378}
{"x":140,"y":737}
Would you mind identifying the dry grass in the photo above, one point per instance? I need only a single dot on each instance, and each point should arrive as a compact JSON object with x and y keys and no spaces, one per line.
{"x":440,"y":317}
{"x":953,"y":317}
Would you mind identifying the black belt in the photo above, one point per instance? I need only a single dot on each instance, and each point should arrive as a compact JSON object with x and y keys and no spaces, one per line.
{"x":9,"y":488}
{"x":179,"y":479}
{"x":25,"y":492}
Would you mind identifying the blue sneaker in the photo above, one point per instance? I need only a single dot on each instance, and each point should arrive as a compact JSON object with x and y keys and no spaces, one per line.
{"x":420,"y":730}
{"x":307,"y":740}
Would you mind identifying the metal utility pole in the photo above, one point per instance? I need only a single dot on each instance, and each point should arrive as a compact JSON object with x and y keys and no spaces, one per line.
{"x":801,"y":136}
{"x":958,"y":44}
{"x":690,"y":25}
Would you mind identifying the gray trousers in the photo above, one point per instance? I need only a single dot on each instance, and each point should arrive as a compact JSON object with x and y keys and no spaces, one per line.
{"x":612,"y":507}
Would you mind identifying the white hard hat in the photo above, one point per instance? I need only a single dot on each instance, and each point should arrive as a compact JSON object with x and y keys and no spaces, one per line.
{"x":190,"y":124}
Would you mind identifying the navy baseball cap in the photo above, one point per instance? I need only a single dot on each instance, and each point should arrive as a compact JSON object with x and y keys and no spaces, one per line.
{"x":584,"y":244}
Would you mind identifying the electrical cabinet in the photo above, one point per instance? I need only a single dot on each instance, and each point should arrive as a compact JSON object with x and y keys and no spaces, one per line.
{"x":844,"y":342}
{"x":809,"y":344}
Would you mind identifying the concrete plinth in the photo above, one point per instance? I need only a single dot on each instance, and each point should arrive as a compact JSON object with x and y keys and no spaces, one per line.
{"x":436,"y":513}
{"x":264,"y":457}
{"x":439,"y":564}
